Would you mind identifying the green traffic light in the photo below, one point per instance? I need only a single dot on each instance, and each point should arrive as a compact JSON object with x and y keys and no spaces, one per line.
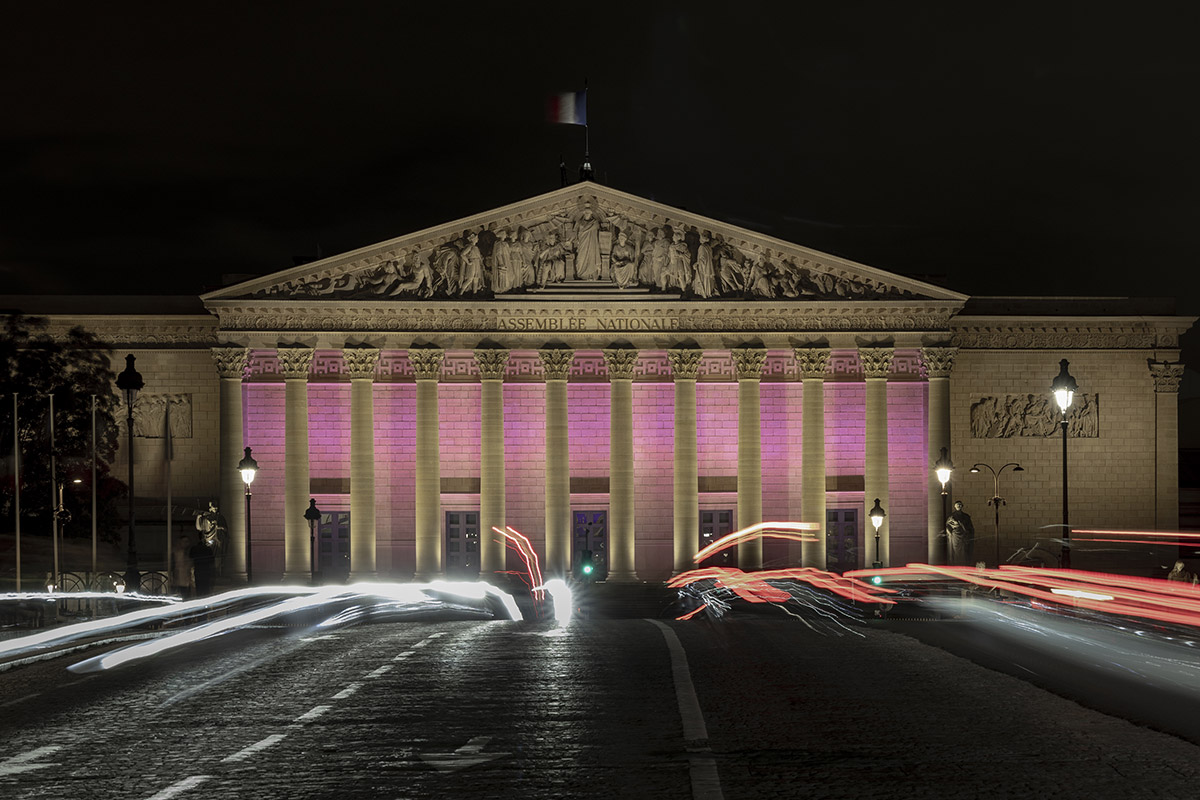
{"x":878,"y":579}
{"x":587,"y":569}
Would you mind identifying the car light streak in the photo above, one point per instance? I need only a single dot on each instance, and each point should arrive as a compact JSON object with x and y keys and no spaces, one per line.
{"x":796,"y":531}
{"x":519,"y":542}
{"x":1082,"y":594}
{"x":562,"y":599}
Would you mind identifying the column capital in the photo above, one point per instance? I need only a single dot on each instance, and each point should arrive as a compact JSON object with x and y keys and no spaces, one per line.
{"x":231,"y":361}
{"x":685,"y":363}
{"x":294,"y":362}
{"x":556,"y":364}
{"x":1166,"y":375}
{"x":938,"y":361}
{"x":360,"y":362}
{"x":748,"y":362}
{"x":492,"y":364}
{"x":876,"y":361}
{"x":813,"y":361}
{"x":427,"y":362}
{"x":620,"y":363}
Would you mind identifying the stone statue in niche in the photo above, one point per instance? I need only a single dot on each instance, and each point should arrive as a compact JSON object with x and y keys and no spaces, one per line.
{"x":679,"y":263}
{"x":504,"y":277}
{"x":729,"y":267}
{"x":654,"y":260}
{"x":623,"y":262}
{"x":552,"y":261}
{"x":412,"y":277}
{"x":757,"y":280}
{"x":586,"y":241}
{"x":214,"y":530}
{"x":1015,"y":415}
{"x":470,"y":277}
{"x":704,"y":284}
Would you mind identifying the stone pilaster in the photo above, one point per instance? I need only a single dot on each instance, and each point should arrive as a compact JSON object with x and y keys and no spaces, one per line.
{"x":427,"y":367}
{"x":231,"y":366}
{"x":1166,"y":377}
{"x":492,"y":365}
{"x":556,"y":368}
{"x":939,"y":363}
{"x":685,"y":368}
{"x":621,"y":539}
{"x":876,"y":365}
{"x":294,"y":364}
{"x":360,"y":368}
{"x":748,"y":364}
{"x":813,"y":362}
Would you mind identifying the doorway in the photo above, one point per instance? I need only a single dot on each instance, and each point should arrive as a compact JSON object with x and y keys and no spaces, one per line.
{"x":590,"y":532}
{"x":841,"y":539}
{"x":333,"y":546}
{"x":462,"y":545}
{"x":714,"y":525}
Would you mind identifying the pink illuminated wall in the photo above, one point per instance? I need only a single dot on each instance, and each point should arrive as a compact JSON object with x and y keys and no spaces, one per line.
{"x":525,"y":455}
{"x":907,"y":471}
{"x":395,"y":478}
{"x":653,"y":471}
{"x":781,"y":464}
{"x":263,"y":425}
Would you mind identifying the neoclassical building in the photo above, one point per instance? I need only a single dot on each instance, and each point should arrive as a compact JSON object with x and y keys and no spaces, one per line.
{"x":605,"y":373}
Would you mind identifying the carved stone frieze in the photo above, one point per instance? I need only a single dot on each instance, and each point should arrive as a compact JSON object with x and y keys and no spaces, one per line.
{"x":427,"y":363}
{"x":150,"y":415}
{"x":295,"y":362}
{"x":1012,"y":415}
{"x":748,"y":362}
{"x":620,"y":363}
{"x":938,"y":361}
{"x":556,"y":364}
{"x":231,"y":361}
{"x":685,"y":363}
{"x":360,"y":362}
{"x":492,"y":364}
{"x":876,"y":361}
{"x":813,"y":361}
{"x":1059,"y":337}
{"x":1166,"y":375}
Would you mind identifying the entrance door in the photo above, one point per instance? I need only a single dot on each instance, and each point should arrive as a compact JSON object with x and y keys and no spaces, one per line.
{"x":714,"y":525}
{"x":841,"y":539}
{"x":462,"y":545}
{"x":333,"y":546}
{"x":590,"y":532}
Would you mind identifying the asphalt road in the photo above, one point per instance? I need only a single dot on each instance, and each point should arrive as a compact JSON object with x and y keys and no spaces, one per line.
{"x":599,"y":709}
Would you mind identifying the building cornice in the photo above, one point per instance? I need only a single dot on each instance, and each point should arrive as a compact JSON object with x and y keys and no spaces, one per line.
{"x":1068,"y":333}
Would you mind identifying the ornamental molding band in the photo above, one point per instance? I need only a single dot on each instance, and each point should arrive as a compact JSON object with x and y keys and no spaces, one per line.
{"x":1056,"y":336}
{"x":1012,"y":415}
{"x":295,"y":362}
{"x":231,"y":361}
{"x":360,"y":362}
{"x":620,"y":363}
{"x":556,"y":364}
{"x":591,"y":239}
{"x":685,"y":363}
{"x":876,"y":361}
{"x":1166,"y":375}
{"x":493,"y":364}
{"x":813,"y":361}
{"x":427,"y":363}
{"x":748,"y":362}
{"x":143,"y":331}
{"x":938,"y":361}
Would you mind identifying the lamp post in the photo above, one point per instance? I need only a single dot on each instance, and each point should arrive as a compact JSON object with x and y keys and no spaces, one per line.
{"x":943,"y":468}
{"x":1064,"y":388}
{"x":997,"y":500}
{"x":130,"y":383}
{"x":313,"y":515}
{"x":248,"y":467}
{"x":877,"y":514}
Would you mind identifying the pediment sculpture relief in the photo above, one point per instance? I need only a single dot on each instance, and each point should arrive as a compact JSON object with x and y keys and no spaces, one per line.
{"x":589,"y":247}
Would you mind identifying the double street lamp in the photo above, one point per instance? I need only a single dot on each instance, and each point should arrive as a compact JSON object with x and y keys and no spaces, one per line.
{"x":1064,"y":388}
{"x":997,"y":500}
{"x":249,"y":468}
{"x":877,"y":514}
{"x":130,"y":383}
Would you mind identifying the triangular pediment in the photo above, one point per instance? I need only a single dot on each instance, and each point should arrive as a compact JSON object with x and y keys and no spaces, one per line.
{"x":584,"y":239}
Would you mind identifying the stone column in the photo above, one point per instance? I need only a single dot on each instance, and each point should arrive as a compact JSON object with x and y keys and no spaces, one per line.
{"x":427,"y":366}
{"x":748,"y":363}
{"x":294,"y":364}
{"x":621,"y":537}
{"x":556,"y":368}
{"x":813,"y":362}
{"x":360,"y":367}
{"x":876,"y":365}
{"x":939,"y":362}
{"x":492,"y":365}
{"x":685,"y":368}
{"x":1166,"y":377}
{"x":231,"y":366}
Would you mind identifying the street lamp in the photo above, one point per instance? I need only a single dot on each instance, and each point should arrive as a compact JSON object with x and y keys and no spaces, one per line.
{"x":130,"y":382}
{"x":248,"y":467}
{"x":997,"y":500}
{"x":1064,"y":388}
{"x":877,"y":514}
{"x":313,"y":515}
{"x":943,"y":468}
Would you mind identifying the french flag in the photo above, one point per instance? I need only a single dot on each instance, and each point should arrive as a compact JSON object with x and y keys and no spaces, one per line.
{"x":568,"y":108}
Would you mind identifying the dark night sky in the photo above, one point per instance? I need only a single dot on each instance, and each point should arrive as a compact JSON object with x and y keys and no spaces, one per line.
{"x":1051,"y":148}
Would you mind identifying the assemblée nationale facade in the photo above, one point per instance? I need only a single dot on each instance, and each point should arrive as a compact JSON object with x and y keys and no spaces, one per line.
{"x":602,"y":372}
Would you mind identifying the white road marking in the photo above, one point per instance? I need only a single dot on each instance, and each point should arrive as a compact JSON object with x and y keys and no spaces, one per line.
{"x":436,"y":635}
{"x":468,"y":755}
{"x":319,"y":638}
{"x":706,"y":783}
{"x":246,"y":752}
{"x":312,"y":713}
{"x":422,"y":643}
{"x":349,"y":690}
{"x":20,"y":763}
{"x":180,"y":787}
{"x":404,"y":655}
{"x":375,"y":673}
{"x":19,"y":700}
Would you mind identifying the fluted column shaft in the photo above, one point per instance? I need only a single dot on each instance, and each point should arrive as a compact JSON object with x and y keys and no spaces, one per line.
{"x":621,"y":537}
{"x":939,"y":362}
{"x":294,"y":363}
{"x":877,"y":364}
{"x":748,"y":363}
{"x":427,"y":365}
{"x":360,"y":366}
{"x":1166,"y":377}
{"x":556,"y":368}
{"x":813,"y":362}
{"x":492,"y":364}
{"x":685,"y":368}
{"x":231,"y":365}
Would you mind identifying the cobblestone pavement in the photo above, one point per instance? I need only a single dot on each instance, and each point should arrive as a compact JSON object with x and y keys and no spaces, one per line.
{"x":510,"y":709}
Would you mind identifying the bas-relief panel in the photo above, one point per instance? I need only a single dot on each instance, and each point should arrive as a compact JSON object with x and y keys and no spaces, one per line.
{"x":150,"y":416}
{"x":1011,"y":415}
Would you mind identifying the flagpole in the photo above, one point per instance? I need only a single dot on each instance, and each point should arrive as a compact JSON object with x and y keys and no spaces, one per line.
{"x":93,"y":490}
{"x":17,"y":483}
{"x":167,"y":451}
{"x":53,"y":493}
